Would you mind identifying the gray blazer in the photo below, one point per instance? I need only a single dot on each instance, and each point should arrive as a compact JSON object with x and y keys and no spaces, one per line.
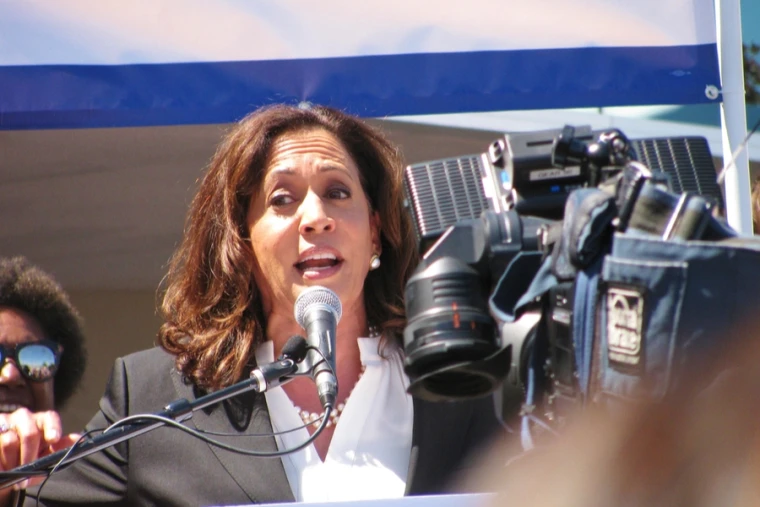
{"x":169,"y":467}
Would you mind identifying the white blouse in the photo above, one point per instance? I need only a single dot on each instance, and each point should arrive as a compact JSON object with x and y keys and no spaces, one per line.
{"x":368,"y":456}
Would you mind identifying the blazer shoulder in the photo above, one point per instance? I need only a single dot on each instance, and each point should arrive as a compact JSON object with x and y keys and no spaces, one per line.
{"x":145,"y":381}
{"x":154,"y":358}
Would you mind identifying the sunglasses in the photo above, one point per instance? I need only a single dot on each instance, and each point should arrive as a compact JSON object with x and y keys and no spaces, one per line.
{"x":37,"y":361}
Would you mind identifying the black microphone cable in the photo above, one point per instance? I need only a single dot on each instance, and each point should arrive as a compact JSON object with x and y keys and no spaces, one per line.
{"x":283,"y":432}
{"x":293,"y":348}
{"x":202,"y":436}
{"x":56,"y":467}
{"x":198,"y":434}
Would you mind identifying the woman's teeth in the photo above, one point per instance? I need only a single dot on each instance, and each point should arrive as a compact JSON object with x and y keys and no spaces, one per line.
{"x":317,"y":264}
{"x":318,"y":261}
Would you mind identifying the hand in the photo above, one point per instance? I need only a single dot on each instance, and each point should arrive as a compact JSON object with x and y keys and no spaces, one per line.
{"x":26,"y":436}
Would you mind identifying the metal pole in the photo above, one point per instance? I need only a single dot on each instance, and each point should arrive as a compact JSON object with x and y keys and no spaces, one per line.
{"x":733,"y":115}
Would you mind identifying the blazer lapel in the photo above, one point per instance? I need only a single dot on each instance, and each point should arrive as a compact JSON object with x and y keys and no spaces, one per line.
{"x":262,"y":479}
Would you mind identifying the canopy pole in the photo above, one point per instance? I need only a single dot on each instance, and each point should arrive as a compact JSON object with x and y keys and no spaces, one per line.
{"x":733,"y":115}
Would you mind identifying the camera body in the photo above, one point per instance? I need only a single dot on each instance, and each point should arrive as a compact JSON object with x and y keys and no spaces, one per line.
{"x":488,"y":224}
{"x":508,"y":197}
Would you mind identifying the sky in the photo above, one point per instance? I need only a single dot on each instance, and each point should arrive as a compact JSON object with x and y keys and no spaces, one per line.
{"x":750,"y":21}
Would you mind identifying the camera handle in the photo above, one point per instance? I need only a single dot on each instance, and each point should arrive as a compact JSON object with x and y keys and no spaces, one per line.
{"x":610,"y":149}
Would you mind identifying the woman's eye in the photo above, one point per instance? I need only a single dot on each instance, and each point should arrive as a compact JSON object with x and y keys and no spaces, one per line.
{"x":280,"y":200}
{"x":338,"y":193}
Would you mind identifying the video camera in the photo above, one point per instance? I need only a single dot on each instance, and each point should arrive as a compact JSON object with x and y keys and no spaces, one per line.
{"x":488,"y":224}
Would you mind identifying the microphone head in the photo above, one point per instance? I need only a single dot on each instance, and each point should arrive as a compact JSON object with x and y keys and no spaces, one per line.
{"x":295,"y":348}
{"x":320,"y":296}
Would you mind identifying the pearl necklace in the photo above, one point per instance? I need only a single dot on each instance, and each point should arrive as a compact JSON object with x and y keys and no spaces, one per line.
{"x":315,"y":419}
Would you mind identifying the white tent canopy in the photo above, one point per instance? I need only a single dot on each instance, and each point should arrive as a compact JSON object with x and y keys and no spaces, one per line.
{"x":88,"y":63}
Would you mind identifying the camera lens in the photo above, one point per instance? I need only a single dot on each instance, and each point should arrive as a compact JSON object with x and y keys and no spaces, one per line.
{"x":448,"y":329}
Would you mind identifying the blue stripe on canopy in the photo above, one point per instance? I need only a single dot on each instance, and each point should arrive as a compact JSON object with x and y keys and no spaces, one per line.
{"x":78,"y":96}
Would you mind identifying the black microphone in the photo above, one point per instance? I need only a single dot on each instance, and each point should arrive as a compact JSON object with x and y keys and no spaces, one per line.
{"x":318,"y":311}
{"x":281,"y":371}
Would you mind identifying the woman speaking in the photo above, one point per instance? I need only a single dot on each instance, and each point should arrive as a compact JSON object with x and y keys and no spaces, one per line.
{"x":293,"y":198}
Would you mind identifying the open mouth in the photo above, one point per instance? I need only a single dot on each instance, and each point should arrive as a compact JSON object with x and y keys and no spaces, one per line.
{"x":318,"y":263}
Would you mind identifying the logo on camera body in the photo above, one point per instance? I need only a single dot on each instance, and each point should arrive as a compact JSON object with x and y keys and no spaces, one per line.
{"x":625,"y":315}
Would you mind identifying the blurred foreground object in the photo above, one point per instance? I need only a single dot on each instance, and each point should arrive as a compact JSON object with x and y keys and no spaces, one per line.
{"x":699,"y":446}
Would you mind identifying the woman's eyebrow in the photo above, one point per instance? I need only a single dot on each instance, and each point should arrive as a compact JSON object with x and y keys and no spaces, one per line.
{"x":336,"y":168}
{"x":290,"y":171}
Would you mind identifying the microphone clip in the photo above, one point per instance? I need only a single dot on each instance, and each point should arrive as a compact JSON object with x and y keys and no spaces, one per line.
{"x":274,"y":374}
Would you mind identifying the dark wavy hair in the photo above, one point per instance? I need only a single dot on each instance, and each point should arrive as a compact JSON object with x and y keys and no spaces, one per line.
{"x":26,"y":287}
{"x":211,"y":304}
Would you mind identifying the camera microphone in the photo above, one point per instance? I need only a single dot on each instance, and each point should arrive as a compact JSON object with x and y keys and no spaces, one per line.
{"x":318,"y":310}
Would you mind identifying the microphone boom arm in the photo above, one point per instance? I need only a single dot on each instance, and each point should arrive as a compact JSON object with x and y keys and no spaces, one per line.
{"x":268,"y":376}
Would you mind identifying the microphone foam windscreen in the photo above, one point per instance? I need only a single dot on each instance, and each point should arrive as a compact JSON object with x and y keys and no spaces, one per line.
{"x":295,"y":348}
{"x":317,"y":295}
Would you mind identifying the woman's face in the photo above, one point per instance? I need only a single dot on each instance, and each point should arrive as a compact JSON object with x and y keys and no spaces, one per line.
{"x":310,"y":223}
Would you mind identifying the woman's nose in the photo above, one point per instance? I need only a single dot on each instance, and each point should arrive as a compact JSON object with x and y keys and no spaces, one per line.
{"x":315,"y":216}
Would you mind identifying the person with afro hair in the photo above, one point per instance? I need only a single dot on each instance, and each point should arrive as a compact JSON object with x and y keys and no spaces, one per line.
{"x":42,"y":355}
